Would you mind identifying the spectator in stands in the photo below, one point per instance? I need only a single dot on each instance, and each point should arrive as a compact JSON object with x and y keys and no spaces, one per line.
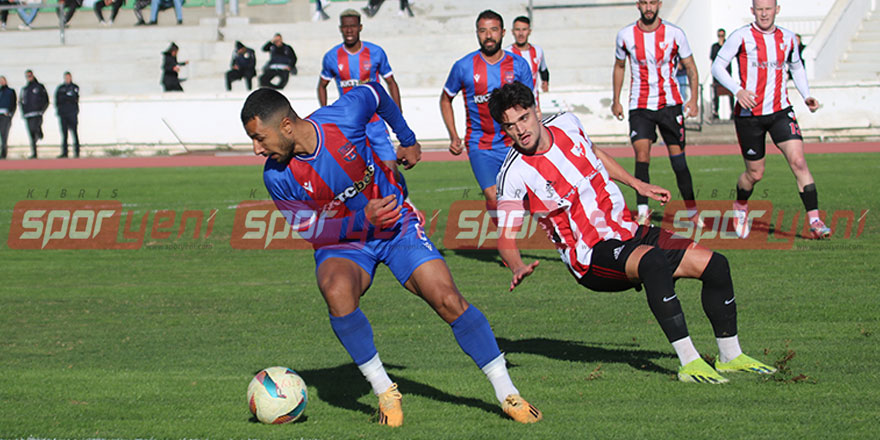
{"x":27,"y":15}
{"x":99,"y":7}
{"x":244,"y":65}
{"x":281,"y":64}
{"x":373,"y":7}
{"x":171,"y":68}
{"x":34,"y":101}
{"x":681,"y":77}
{"x":139,"y":6}
{"x":801,"y":47}
{"x":67,"y":107}
{"x":161,"y":5}
{"x":7,"y":110}
{"x":70,"y":7}
{"x":717,"y":89}
{"x":320,"y":15}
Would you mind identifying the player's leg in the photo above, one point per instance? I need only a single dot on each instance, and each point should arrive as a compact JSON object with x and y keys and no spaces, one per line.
{"x":643,"y":133}
{"x":671,"y":125}
{"x":787,"y":135}
{"x":422,"y":270}
{"x":342,"y":279}
{"x":719,"y":304}
{"x":486,"y":164}
{"x":751,"y":134}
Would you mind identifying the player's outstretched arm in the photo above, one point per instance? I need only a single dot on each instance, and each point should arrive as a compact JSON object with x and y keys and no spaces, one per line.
{"x":618,"y":173}
{"x":512,"y":258}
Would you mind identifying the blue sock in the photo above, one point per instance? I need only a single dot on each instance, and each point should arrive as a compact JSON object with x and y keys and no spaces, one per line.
{"x":475,"y":337}
{"x":355,"y":334}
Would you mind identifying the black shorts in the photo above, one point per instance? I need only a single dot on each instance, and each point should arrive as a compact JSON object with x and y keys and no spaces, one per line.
{"x":643,"y":124}
{"x":752,"y":131}
{"x":608,"y":263}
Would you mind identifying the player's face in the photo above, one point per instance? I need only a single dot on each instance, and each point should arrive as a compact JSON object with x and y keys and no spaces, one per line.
{"x":270,"y":139}
{"x":350,"y":27}
{"x":649,"y":10}
{"x":489,"y":34}
{"x":523,"y":125}
{"x":765,"y":13}
{"x":521,"y":32}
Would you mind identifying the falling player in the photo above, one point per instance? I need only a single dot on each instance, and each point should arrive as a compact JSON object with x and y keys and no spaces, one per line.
{"x":322,"y":172}
{"x":557,"y":175}
{"x":765,"y":51}
{"x":654,"y":48}
{"x":476,"y":75}
{"x":355,"y":62}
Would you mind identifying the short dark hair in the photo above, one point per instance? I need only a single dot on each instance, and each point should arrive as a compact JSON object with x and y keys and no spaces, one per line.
{"x":490,"y":15}
{"x":523,"y":19}
{"x":265,"y":103}
{"x":509,"y":96}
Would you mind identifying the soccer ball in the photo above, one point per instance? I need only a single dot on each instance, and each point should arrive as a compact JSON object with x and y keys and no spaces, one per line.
{"x":277,"y":395}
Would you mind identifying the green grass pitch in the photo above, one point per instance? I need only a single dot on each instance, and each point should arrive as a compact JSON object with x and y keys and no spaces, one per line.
{"x":161,"y":342}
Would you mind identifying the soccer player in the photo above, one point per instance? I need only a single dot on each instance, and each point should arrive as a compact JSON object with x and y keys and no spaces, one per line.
{"x":762,"y":107}
{"x":476,"y":75}
{"x":355,"y":62}
{"x":653,"y":47}
{"x":556,"y":174}
{"x":522,"y":29}
{"x":322,"y":173}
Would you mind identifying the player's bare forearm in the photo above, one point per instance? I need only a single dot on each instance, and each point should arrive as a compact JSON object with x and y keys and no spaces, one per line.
{"x":448,"y":115}
{"x":617,"y":78}
{"x":322,"y":93}
{"x":394,"y":91}
{"x":694,"y":84}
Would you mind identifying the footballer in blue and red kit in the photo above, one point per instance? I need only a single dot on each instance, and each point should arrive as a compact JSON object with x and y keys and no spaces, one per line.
{"x":350,"y":70}
{"x":323,"y":195}
{"x":476,"y":78}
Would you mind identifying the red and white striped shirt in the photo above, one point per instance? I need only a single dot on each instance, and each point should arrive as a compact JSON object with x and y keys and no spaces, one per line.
{"x":763,"y":59}
{"x":568,"y":190}
{"x":535,"y":57}
{"x":653,"y":60}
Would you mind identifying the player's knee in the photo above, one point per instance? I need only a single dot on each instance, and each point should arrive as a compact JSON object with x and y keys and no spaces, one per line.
{"x":799,"y":165}
{"x":451,"y":305}
{"x":755,"y":175}
{"x":717,"y":271}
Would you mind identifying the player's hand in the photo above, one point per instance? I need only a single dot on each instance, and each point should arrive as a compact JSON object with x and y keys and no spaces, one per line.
{"x":409,"y":156}
{"x":520,"y":274}
{"x":545,"y":87}
{"x":746,"y":99}
{"x":383,"y":212}
{"x":455,"y":145}
{"x":617,"y":111}
{"x":655,"y":192}
{"x":812,"y":104}
{"x":690,"y":108}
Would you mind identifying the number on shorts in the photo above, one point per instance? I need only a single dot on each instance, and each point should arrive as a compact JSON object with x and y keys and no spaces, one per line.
{"x":795,"y":130}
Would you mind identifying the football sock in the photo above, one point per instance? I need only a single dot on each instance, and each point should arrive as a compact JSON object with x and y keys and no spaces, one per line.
{"x":810,"y":197}
{"x":656,"y":276}
{"x":683,"y":179}
{"x":475,"y":337}
{"x":718,"y":297}
{"x":685,"y":350}
{"x":742,"y":197}
{"x":728,"y":348}
{"x":642,"y":174}
{"x":356,"y":335}
{"x":496,"y":372}
{"x":375,"y":373}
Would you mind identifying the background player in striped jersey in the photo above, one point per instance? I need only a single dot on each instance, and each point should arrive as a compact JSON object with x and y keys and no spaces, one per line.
{"x":522,"y":29}
{"x":322,"y":173}
{"x":355,"y":62}
{"x":476,"y":75}
{"x":653,"y":48}
{"x":764,"y":52}
{"x":556,"y":174}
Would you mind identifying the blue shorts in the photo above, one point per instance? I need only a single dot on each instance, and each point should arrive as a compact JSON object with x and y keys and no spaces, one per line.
{"x":402,"y":254}
{"x":486,"y":164}
{"x":380,"y":140}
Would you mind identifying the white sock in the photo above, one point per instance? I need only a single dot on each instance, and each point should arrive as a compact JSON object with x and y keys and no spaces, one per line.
{"x":375,"y":373}
{"x":728,"y":348}
{"x":496,"y":371}
{"x":685,"y":350}
{"x":643,"y":209}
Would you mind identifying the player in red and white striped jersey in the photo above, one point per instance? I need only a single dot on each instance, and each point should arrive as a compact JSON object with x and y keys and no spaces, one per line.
{"x":654,"y":48}
{"x":556,"y":174}
{"x":765,"y":52}
{"x":522,"y":29}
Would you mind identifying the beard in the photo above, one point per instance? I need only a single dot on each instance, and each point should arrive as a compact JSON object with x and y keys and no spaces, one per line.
{"x":649,"y":21}
{"x":487,"y":51}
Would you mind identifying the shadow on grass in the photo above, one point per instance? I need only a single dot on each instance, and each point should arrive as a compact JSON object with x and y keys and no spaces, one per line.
{"x":587,"y":353}
{"x":343,"y":385}
{"x":492,"y":256}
